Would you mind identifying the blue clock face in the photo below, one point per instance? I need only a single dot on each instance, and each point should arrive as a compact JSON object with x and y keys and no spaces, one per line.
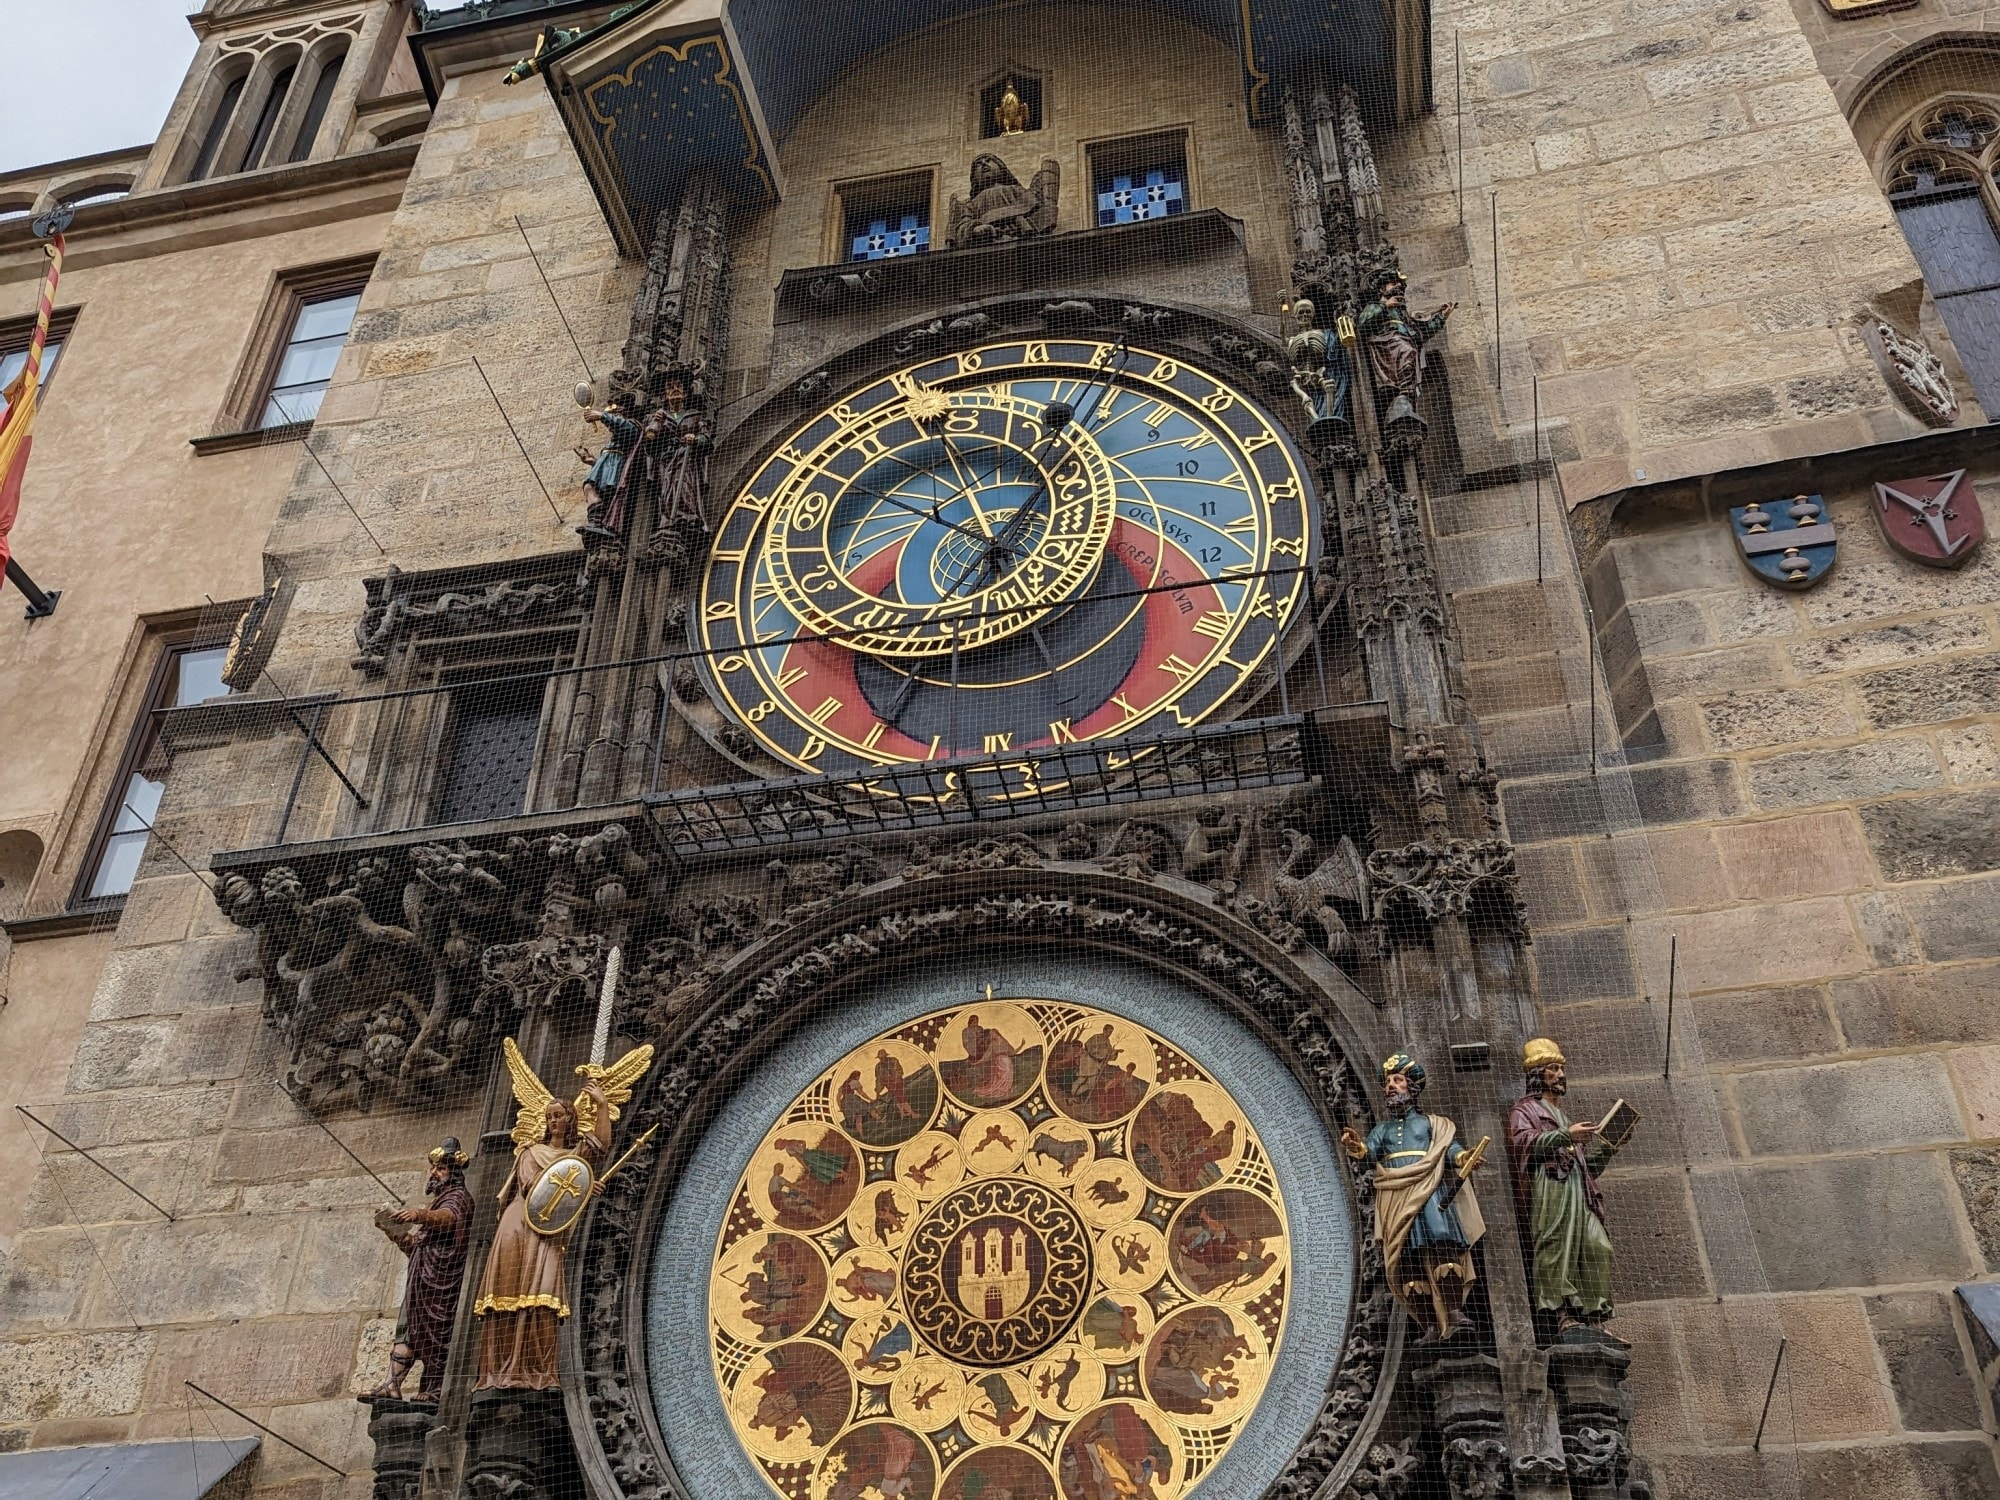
{"x":1027,"y":544}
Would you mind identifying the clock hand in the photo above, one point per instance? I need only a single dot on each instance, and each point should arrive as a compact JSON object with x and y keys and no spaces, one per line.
{"x":929,"y":515}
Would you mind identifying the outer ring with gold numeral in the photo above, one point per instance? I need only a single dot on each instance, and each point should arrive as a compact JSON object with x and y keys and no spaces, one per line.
{"x":1207,"y":544}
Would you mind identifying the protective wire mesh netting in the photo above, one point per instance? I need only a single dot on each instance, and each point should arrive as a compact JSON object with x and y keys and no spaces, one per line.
{"x":996,"y":1042}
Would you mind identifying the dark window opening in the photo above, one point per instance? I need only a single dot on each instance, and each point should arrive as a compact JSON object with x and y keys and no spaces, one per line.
{"x":1023,"y":118}
{"x":211,"y":143}
{"x":1140,"y":179}
{"x":322,"y":95}
{"x":14,"y":359}
{"x":491,"y":752}
{"x":267,"y":118}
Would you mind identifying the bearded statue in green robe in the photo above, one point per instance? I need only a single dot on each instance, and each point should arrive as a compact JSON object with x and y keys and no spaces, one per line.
{"x":1556,"y":1198}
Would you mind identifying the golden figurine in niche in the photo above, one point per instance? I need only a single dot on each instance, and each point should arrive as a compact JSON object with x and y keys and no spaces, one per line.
{"x":1010,"y":114}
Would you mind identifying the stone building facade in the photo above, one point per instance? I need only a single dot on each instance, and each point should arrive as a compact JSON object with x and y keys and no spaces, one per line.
{"x":1525,"y":749}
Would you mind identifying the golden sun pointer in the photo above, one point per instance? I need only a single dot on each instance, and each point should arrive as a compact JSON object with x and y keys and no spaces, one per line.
{"x":927,"y":404}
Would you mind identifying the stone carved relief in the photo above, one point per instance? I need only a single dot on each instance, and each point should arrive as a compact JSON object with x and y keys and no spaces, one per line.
{"x":1476,"y":1468}
{"x":399,"y":606}
{"x":1446,"y":880}
{"x":765,"y":1001}
{"x":392,"y":975}
{"x":1914,"y":373}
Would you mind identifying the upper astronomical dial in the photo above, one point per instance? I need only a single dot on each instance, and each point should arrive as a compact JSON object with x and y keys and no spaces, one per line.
{"x":1029,"y":543}
{"x":923,"y":523}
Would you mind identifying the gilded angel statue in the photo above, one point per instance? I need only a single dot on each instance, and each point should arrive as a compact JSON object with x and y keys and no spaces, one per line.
{"x":560,"y":1146}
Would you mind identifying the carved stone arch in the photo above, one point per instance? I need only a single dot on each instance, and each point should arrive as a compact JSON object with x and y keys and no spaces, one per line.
{"x":85,"y":185}
{"x":1905,"y":79}
{"x":1318,"y":1026}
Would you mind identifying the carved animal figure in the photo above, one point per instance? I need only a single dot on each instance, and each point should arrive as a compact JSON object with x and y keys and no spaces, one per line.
{"x":1315,"y":898}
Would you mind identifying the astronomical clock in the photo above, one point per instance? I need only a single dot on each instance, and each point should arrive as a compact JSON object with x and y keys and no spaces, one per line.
{"x":1009,"y":547}
{"x":1016,"y":1245}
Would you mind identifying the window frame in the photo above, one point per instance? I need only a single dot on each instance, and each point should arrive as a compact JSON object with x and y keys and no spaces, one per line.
{"x":17,"y":334}
{"x":168,"y":647}
{"x":1132,"y":153}
{"x":885,"y":189}
{"x":270,"y":337}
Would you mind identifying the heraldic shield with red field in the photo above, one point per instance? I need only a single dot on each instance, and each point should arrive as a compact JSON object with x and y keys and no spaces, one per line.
{"x":1935,"y":520}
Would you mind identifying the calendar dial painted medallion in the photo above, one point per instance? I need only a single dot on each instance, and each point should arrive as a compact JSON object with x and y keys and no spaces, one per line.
{"x":1021,"y":545}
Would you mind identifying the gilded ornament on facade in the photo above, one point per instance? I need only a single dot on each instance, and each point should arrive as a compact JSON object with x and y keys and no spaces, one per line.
{"x":1018,"y":1247}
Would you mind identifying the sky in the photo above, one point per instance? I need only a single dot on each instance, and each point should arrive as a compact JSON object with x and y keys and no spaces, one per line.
{"x":85,"y":76}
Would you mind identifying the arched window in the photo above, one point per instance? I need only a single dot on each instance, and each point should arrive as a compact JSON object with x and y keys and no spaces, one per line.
{"x":1942,"y":173}
{"x":315,"y":115}
{"x":218,"y":125}
{"x":267,"y":117}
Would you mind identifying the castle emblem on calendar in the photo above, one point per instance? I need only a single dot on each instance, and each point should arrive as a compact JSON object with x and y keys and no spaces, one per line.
{"x":1788,"y":543}
{"x":1934,"y":520}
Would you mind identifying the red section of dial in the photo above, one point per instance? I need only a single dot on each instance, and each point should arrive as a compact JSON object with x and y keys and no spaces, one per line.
{"x":829,"y":692}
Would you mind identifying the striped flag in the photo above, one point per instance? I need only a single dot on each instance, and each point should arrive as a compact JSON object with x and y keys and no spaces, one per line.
{"x":17,"y":426}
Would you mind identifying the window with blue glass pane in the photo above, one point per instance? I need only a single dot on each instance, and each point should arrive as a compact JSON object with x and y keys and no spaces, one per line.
{"x":885,"y":235}
{"x":1150,"y":193}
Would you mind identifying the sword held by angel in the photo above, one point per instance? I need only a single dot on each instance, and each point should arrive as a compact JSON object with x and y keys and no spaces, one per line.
{"x":560,"y":1146}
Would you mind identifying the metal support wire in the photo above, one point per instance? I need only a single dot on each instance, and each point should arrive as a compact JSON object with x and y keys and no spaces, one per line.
{"x":1757,"y":1445}
{"x":1673,"y":963}
{"x":80,"y":1151}
{"x":268,"y":1431}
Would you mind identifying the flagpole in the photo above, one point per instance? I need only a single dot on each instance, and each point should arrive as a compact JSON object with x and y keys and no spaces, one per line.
{"x":17,"y":426}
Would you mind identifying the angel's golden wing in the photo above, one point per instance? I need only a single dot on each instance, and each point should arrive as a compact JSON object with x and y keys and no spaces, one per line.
{"x":616,"y":1080}
{"x":530,"y":1122}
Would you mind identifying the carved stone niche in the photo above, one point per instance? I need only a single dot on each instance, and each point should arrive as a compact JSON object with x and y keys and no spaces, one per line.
{"x":750,"y":998}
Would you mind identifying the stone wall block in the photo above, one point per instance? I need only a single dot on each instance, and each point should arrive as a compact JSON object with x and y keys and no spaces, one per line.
{"x":1660,"y":869}
{"x":159,"y":909}
{"x":134,"y":983}
{"x":1885,"y":927}
{"x":1890,"y":1101}
{"x":1971,"y":755}
{"x":1587,"y":963}
{"x":1976,"y":1071}
{"x":1780,"y":716}
{"x":72,"y":1375}
{"x":45,"y":1277}
{"x":1932,"y":692}
{"x":1810,"y":1230}
{"x":1747,"y":946}
{"x":1872,"y":769}
{"x":198,"y":1270}
{"x":1906,"y":641}
{"x":1957,"y":919}
{"x":1651,"y":1219}
{"x":1918,"y":1340}
{"x":65,"y":1188}
{"x":346,"y":1263}
{"x":1953,"y":1005}
{"x":1781,"y":1024}
{"x":1686,"y":791}
{"x":1914,"y":1471}
{"x":1946,"y":834}
{"x":262,"y":1363}
{"x":1784,"y":858}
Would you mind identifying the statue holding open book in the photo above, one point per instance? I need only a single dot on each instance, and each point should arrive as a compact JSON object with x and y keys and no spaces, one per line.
{"x":1556,"y":1198}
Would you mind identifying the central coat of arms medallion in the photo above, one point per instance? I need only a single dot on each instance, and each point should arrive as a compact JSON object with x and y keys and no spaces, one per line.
{"x":1016,"y":1247}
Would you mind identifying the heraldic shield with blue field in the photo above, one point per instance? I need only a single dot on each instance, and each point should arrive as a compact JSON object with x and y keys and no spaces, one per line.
{"x":1788,"y":543}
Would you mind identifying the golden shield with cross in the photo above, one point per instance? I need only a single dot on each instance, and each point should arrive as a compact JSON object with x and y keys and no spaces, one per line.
{"x":559,"y":1194}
